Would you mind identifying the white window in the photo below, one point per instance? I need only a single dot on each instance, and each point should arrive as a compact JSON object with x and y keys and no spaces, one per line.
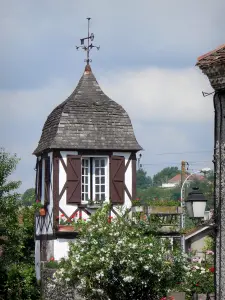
{"x":94,"y":179}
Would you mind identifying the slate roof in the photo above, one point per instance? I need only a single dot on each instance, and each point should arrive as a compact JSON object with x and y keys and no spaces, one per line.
{"x":88,"y":119}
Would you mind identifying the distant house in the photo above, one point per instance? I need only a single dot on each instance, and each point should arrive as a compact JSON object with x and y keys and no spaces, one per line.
{"x":176,"y":180}
{"x":168,"y":185}
{"x":196,"y":237}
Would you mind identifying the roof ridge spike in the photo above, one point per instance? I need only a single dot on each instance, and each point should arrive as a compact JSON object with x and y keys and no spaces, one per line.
{"x":87,"y":69}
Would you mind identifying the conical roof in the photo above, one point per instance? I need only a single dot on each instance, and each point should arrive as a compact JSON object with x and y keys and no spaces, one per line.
{"x":88,"y":119}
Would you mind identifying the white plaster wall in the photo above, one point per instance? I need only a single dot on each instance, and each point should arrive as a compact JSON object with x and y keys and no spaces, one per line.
{"x":67,"y":208}
{"x":61,"y":248}
{"x":128,"y":177}
{"x":37,"y":260}
{"x":197,"y":243}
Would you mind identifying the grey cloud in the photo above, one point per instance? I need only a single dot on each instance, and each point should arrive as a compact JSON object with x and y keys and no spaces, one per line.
{"x":39,"y":38}
{"x":142,"y":43}
{"x":176,"y":120}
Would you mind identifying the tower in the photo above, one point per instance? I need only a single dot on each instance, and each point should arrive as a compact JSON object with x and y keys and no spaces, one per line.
{"x":86,"y":153}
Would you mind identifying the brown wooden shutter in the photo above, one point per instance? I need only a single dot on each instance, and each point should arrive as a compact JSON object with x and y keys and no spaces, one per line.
{"x":47,"y":180}
{"x":73,"y":179}
{"x":39,"y":179}
{"x":134,"y":176}
{"x":117,"y":178}
{"x":55,"y":187}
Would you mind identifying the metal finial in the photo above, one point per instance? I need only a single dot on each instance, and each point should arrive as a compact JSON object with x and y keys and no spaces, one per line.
{"x":89,"y":46}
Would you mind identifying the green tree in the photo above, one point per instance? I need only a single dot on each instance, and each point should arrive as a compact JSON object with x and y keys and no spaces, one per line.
{"x":164,"y":175}
{"x":17,"y":274}
{"x":143,"y":180}
{"x":28,"y":198}
{"x":155,"y":193}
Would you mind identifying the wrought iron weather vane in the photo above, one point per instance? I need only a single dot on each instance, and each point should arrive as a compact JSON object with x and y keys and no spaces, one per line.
{"x":89,"y":46}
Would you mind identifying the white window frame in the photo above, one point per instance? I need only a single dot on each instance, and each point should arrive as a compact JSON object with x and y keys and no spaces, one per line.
{"x":93,"y":176}
{"x":89,"y":178}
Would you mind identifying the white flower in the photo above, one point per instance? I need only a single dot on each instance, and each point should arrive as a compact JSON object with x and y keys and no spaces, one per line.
{"x":128,"y":278}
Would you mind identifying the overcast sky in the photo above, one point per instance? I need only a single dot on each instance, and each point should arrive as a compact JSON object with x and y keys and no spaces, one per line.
{"x":146,"y":63}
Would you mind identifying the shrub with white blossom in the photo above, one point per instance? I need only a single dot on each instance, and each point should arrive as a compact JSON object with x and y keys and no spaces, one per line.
{"x":117,"y":258}
{"x":199,"y":277}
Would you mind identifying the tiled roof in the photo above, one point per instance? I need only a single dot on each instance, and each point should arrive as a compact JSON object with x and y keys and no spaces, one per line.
{"x":177,"y":178}
{"x":88,"y":119}
{"x":212,"y":65}
{"x":212,"y":57}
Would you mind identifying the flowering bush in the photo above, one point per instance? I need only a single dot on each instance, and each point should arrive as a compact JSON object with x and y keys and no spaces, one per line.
{"x":199,"y":277}
{"x":114,"y":258}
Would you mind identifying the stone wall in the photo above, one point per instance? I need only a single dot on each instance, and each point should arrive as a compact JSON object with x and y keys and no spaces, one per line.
{"x":50,"y":290}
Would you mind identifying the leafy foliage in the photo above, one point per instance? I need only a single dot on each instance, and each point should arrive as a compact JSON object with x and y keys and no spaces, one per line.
{"x":199,"y":277}
{"x":28,"y":198}
{"x":117,"y":259}
{"x":143,"y":180}
{"x":164,"y":175}
{"x":16,"y":237}
{"x":149,"y":193}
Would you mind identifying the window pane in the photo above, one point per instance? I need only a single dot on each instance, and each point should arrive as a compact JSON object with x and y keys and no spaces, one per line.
{"x":102,"y":171}
{"x":86,"y":163}
{"x":102,"y":197}
{"x":96,"y":197}
{"x":96,"y":163}
{"x":97,"y":180}
{"x":86,"y":179}
{"x":82,"y":179}
{"x":82,"y":188}
{"x":102,"y":179}
{"x":102,"y":162}
{"x":86,"y":188}
{"x":97,"y":171}
{"x":82,"y":196}
{"x":102,"y":188}
{"x":97,"y":188}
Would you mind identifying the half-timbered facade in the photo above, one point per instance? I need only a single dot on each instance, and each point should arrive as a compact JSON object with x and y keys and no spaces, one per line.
{"x":86,"y":153}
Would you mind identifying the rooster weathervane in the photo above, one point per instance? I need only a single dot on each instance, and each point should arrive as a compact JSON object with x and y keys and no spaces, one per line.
{"x":89,"y":46}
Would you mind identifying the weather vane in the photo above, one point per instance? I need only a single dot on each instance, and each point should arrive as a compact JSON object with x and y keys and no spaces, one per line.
{"x":89,"y":46}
